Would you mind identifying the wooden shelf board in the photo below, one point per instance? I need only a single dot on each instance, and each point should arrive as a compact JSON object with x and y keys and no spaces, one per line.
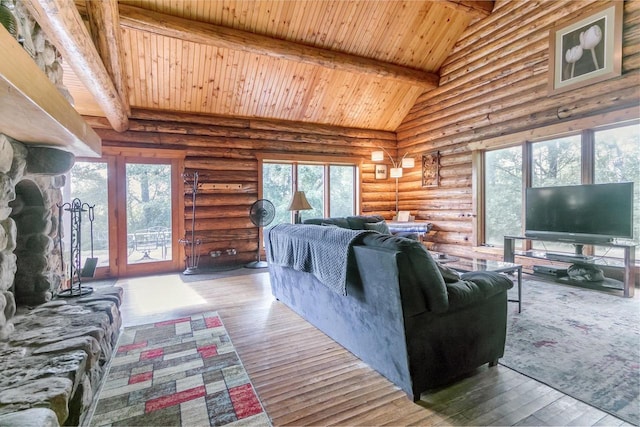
{"x":32,"y":110}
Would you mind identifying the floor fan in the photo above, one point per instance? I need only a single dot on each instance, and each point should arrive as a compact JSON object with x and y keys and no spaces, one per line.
{"x":261,"y":213}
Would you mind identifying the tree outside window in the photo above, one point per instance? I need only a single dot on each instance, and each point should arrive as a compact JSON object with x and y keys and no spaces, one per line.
{"x":503,"y":194}
{"x":313,"y":179}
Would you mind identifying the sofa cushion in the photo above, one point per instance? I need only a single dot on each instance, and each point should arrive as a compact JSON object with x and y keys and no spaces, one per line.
{"x":380,"y":227}
{"x":476,"y":286}
{"x":425,"y":269}
{"x":357,"y":222}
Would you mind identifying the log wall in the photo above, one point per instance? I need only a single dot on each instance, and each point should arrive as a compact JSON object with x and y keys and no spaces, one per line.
{"x":494,"y":84}
{"x":224,"y":150}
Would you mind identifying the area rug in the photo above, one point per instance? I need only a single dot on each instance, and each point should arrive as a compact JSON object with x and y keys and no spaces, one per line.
{"x":181,"y":372}
{"x":582,"y":342}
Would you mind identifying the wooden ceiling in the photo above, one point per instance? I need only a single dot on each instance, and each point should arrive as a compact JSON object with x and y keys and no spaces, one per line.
{"x":358,"y":64}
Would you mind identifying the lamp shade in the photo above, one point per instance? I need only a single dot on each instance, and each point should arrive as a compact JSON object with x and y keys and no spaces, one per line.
{"x":299,"y":202}
{"x":408,"y":162}
{"x":395,"y":172}
{"x":377,"y":156}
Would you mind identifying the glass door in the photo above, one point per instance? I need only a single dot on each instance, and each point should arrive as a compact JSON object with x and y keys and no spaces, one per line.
{"x":148,"y":229}
{"x":136,"y":220}
{"x":88,"y":182}
{"x":149,"y":207}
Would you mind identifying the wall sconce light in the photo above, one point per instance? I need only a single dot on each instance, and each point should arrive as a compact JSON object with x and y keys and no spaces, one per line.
{"x":397,"y":166}
{"x":299,"y":203}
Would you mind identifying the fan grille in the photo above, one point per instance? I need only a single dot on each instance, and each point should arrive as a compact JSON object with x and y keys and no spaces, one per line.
{"x":262,"y":212}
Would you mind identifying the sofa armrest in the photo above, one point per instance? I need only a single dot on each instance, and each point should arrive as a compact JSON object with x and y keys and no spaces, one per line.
{"x":475,"y":287}
{"x":407,"y":235}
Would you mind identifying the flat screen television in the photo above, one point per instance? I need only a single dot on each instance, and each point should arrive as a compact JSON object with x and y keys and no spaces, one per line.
{"x":580,"y":213}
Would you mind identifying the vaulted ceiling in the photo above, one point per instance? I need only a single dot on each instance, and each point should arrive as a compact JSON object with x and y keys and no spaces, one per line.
{"x":346,"y":63}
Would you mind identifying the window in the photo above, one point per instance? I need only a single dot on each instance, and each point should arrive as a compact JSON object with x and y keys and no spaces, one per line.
{"x":311,"y":181}
{"x":342,"y":197}
{"x":277,"y":180}
{"x":88,"y":182}
{"x":599,"y":156}
{"x":330,"y":188}
{"x":617,"y":159}
{"x":503,"y":194}
{"x":556,"y":162}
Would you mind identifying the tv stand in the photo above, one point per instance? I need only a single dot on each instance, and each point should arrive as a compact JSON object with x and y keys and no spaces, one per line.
{"x":628,"y":264}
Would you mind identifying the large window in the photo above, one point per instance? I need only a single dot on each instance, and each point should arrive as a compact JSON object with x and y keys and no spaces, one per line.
{"x":617,"y":159}
{"x":598,"y":156}
{"x":503,"y":194}
{"x":556,"y":162}
{"x":331,"y":189}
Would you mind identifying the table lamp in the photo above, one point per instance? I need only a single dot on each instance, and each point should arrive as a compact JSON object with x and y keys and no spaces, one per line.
{"x":299,"y":203}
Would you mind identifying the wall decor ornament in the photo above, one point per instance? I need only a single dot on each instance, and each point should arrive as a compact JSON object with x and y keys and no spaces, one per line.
{"x":431,"y":169}
{"x":586,"y":50}
{"x":381,"y":171}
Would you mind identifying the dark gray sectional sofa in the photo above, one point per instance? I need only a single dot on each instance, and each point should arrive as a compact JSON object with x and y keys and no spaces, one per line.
{"x":399,"y":314}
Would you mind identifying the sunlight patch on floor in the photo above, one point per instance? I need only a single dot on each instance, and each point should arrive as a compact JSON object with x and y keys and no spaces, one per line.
{"x":157,"y":294}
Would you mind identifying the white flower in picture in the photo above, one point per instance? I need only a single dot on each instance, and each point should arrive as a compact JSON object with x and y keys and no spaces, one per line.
{"x":589,"y":40}
{"x":572,"y":56}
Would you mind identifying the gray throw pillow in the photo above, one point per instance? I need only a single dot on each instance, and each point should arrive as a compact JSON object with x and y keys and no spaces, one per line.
{"x":380,"y":227}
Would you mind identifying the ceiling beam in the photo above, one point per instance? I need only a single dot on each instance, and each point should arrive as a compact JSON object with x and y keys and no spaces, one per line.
{"x":61,"y":22}
{"x":104,"y":26}
{"x":476,"y":8}
{"x":215,"y":35}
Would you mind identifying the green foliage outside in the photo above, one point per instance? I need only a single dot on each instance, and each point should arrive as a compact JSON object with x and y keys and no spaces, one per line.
{"x":148,"y":196}
{"x":617,"y":159}
{"x":276,"y":187}
{"x":342,"y":190}
{"x":311,"y":181}
{"x":556,"y":162}
{"x":503,"y":194}
{"x":148,"y":201}
{"x":89,"y":184}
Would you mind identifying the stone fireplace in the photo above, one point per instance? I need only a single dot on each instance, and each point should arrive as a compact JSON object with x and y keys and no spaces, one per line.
{"x":31,"y":194}
{"x":53,"y":351}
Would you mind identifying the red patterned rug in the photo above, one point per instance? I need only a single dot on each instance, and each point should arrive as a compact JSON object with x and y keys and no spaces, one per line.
{"x":182,"y":372}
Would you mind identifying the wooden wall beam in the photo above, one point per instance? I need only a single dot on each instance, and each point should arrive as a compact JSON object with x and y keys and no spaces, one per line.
{"x":61,"y":22}
{"x":104,"y":25}
{"x":229,"y":38}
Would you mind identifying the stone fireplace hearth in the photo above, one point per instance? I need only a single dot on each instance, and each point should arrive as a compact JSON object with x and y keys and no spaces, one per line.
{"x":52,"y":351}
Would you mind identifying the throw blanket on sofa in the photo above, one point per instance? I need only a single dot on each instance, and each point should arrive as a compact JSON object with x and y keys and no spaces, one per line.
{"x":321,"y":251}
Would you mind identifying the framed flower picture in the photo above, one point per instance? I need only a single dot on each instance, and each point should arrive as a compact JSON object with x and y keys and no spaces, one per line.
{"x":586,"y":50}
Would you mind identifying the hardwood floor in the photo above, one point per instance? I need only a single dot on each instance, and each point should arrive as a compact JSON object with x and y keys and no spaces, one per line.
{"x":305,"y":378}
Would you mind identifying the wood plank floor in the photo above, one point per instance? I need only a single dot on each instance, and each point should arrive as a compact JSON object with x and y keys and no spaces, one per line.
{"x":305,"y":378}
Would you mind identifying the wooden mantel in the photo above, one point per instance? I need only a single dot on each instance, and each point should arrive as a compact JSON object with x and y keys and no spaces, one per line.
{"x":32,"y":110}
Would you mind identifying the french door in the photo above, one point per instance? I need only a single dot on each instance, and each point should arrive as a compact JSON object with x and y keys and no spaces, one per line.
{"x":137,"y":220}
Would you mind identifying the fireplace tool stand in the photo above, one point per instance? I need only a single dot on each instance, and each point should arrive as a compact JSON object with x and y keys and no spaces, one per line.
{"x":75,"y":208}
{"x":193,"y":256}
